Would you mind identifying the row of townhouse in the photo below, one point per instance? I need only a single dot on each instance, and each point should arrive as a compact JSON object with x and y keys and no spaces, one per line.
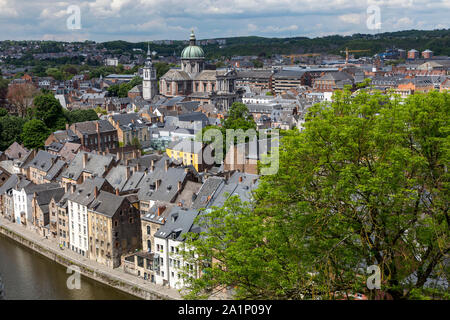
{"x":129,"y":213}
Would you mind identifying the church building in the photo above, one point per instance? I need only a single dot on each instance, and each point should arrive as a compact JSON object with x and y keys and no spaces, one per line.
{"x":215,"y":87}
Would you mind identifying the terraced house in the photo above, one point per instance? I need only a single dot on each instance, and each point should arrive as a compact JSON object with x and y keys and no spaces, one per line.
{"x":130,"y":128}
{"x":43,"y":168}
{"x":78,"y":202}
{"x":114,"y":228}
{"x":98,"y":135}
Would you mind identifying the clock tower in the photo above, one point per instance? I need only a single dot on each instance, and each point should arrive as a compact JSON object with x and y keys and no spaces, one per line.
{"x":149,"y":83}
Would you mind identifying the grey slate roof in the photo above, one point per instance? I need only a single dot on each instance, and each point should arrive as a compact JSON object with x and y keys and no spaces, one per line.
{"x":95,"y":165}
{"x":9,"y":184}
{"x":42,"y":161}
{"x":31,"y":187}
{"x":107,"y":203}
{"x":84,"y":193}
{"x":117,"y":176}
{"x":206,"y":192}
{"x":180,"y":221}
{"x":55,"y":170}
{"x":89,"y":127}
{"x":133,"y":182}
{"x":125,"y":120}
{"x":168,"y":188}
{"x":45,"y":196}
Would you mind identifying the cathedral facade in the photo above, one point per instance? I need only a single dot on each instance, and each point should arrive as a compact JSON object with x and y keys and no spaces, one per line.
{"x":215,"y":87}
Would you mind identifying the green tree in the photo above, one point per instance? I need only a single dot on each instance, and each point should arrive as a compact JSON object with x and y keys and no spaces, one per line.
{"x":48,"y":109}
{"x":82,"y":115}
{"x":10,"y":130}
{"x":238,"y":117}
{"x":34,"y":134}
{"x":161,"y":68}
{"x":3,"y":112}
{"x":3,"y":88}
{"x":365,"y":183}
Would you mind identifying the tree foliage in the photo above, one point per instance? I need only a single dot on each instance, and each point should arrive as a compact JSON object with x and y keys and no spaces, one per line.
{"x":48,"y":109}
{"x":34,"y":134}
{"x":10,"y":130}
{"x":365,"y":183}
{"x":81,"y":115}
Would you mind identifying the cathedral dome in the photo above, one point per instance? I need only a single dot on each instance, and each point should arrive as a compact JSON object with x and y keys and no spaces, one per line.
{"x":192,"y":51}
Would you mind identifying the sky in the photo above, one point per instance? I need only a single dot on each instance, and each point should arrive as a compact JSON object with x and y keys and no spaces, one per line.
{"x":145,"y":20}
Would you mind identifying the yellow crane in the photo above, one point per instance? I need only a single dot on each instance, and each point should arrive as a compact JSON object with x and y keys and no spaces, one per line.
{"x":348,"y":51}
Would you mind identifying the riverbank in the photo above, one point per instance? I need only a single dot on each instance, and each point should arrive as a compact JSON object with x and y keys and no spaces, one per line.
{"x":114,"y":278}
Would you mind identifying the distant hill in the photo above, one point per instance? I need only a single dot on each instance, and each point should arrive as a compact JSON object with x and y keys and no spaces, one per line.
{"x":436,"y":40}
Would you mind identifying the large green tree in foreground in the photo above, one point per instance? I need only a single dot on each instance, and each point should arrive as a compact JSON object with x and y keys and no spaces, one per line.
{"x":366,"y":183}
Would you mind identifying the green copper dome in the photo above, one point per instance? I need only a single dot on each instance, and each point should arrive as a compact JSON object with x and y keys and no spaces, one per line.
{"x":192,"y":51}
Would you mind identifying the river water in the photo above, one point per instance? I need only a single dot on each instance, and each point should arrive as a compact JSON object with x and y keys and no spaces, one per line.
{"x":28,"y":275}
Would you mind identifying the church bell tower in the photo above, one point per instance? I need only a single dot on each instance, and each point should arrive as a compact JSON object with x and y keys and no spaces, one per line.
{"x":149,"y":82}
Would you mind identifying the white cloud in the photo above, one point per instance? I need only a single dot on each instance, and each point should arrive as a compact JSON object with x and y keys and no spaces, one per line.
{"x":172,"y":19}
{"x":353,"y":18}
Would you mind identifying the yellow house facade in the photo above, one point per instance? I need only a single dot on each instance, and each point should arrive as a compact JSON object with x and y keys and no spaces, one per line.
{"x":187,"y":152}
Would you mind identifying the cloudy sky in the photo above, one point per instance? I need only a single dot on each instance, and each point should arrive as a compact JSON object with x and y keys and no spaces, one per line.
{"x":140,"y":20}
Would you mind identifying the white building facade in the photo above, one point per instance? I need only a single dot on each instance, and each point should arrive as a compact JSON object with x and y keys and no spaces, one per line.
{"x":78,"y":228}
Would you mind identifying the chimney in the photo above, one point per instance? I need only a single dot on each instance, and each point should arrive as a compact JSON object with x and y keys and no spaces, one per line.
{"x":180,"y":184}
{"x":166,"y":164}
{"x":85,"y":159}
{"x":117,"y":191}
{"x":66,"y":188}
{"x":240,"y":179}
{"x":127,"y":162}
{"x":138,"y":167}
{"x":95,"y":192}
{"x":186,"y":170}
{"x":158,"y":183}
{"x":128,"y":172}
{"x":97,"y":127}
{"x":73,"y":187}
{"x":180,"y":204}
{"x":152,"y":167}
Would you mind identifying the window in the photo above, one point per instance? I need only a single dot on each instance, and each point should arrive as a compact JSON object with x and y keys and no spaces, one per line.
{"x":148,"y":229}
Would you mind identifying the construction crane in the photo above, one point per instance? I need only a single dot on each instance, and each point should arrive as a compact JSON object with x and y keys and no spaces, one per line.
{"x":348,"y":51}
{"x":293,"y":56}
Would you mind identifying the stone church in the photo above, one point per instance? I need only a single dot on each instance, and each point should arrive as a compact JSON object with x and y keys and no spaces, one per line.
{"x":215,"y":87}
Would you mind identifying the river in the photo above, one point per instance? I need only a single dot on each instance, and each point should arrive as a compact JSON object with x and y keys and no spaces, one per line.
{"x":29,"y":276}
